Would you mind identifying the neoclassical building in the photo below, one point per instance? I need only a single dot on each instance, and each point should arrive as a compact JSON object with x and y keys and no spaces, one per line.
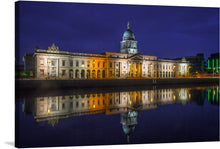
{"x":129,"y":63}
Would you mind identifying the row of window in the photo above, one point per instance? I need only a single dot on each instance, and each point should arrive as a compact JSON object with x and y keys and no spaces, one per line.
{"x":102,"y":64}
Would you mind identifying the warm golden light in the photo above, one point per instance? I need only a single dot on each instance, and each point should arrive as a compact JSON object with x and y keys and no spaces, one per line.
{"x":151,"y":99}
{"x":189,"y":96}
{"x":93,"y":106}
{"x":83,"y":101}
{"x":129,"y":102}
{"x":48,"y":111}
{"x":174,"y":97}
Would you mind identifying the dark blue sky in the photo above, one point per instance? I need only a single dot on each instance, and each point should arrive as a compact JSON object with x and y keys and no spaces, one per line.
{"x":166,"y":32}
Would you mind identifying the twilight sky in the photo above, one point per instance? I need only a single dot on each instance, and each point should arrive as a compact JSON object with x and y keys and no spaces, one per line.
{"x":166,"y":32}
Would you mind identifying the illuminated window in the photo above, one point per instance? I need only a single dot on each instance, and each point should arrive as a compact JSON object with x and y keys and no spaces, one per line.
{"x":93,"y":64}
{"x":82,"y":63}
{"x":98,"y":64}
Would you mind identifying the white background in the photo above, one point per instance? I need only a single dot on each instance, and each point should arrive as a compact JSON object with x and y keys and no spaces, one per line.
{"x":7,"y":71}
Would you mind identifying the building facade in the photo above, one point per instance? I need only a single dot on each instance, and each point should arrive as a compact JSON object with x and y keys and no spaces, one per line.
{"x":129,"y":63}
{"x":213,"y":63}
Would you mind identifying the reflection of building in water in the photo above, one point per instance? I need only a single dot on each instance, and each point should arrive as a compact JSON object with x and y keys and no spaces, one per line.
{"x":127,"y":104}
{"x":58,"y":107}
{"x":128,"y":121}
{"x":213,"y":94}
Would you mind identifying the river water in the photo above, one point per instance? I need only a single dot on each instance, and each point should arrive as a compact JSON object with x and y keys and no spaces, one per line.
{"x":118,"y":116}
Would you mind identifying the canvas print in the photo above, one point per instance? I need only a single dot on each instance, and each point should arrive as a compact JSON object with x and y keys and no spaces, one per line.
{"x":110,"y":74}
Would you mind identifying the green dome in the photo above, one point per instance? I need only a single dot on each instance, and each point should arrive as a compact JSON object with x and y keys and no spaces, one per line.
{"x":128,"y":35}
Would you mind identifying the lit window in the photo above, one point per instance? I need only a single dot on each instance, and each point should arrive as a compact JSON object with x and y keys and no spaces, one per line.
{"x":82,"y":63}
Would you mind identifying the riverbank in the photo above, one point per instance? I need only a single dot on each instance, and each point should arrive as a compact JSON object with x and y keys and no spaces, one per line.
{"x":61,"y":84}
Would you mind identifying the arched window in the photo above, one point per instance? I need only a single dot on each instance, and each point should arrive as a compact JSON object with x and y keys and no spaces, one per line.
{"x":77,"y":73}
{"x":103,"y":73}
{"x":83,"y":73}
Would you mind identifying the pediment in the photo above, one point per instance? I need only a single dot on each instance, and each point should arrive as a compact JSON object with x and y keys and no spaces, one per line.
{"x":136,"y":57}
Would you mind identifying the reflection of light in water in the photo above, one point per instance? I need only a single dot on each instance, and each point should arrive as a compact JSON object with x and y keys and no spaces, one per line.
{"x":174,"y":97}
{"x":74,"y":104}
{"x":189,"y":96}
{"x":128,"y":121}
{"x":217,"y":93}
